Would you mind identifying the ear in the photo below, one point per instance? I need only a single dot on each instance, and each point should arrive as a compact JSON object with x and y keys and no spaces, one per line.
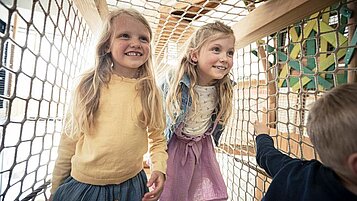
{"x":107,"y":49}
{"x":352,"y":163}
{"x":194,"y":55}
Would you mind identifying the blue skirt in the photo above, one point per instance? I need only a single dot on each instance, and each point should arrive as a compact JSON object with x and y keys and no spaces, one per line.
{"x":130,"y":190}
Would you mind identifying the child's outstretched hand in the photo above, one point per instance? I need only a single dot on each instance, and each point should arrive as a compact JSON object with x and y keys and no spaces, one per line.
{"x":261,"y":127}
{"x":156,"y":181}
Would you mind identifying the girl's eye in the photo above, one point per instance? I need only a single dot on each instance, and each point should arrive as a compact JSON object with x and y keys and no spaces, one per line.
{"x":144,"y":39}
{"x":230,"y":53}
{"x":124,"y":36}
{"x":216,"y":50}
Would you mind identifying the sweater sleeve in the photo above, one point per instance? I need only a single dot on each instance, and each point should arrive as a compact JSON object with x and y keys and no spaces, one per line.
{"x":62,"y":167}
{"x":268,"y":157}
{"x":157,"y":150}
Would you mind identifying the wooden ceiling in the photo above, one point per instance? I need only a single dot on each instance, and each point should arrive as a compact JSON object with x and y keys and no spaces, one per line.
{"x":175,"y":21}
{"x":172,"y":21}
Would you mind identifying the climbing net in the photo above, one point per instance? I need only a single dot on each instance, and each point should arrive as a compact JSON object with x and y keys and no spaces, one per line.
{"x":278,"y":78}
{"x":43,"y":47}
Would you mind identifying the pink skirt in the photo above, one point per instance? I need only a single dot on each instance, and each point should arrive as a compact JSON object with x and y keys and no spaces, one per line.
{"x":193,"y":172}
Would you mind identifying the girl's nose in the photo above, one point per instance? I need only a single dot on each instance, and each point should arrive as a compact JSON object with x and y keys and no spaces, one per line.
{"x":223,"y":58}
{"x":135,"y":43}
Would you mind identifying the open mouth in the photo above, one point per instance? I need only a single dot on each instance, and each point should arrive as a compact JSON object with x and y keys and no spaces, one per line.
{"x":220,"y":67}
{"x":133,"y":54}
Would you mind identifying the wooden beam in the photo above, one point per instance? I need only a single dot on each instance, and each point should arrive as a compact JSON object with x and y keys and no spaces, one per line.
{"x":273,"y":16}
{"x":298,"y":145}
{"x":93,"y":11}
{"x":102,"y":8}
{"x":238,"y":150}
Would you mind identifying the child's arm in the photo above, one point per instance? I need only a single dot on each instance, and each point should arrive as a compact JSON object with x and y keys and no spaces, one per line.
{"x":157,"y":150}
{"x":158,"y":156}
{"x":268,"y":157}
{"x":62,"y":167}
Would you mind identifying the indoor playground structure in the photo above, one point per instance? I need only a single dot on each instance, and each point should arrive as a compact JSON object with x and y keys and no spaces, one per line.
{"x":288,"y":53}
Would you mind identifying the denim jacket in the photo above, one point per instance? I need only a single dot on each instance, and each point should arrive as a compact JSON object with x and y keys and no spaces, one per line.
{"x":185,"y":105}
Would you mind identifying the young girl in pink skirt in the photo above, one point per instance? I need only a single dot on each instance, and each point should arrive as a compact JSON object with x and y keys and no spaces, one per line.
{"x":198,"y":104}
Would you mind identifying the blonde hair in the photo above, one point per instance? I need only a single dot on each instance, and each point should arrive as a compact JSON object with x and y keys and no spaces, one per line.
{"x":332,"y":127}
{"x":204,"y":34}
{"x":86,"y":96}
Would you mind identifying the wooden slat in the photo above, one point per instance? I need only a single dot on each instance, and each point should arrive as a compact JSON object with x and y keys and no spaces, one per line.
{"x":238,"y":150}
{"x":274,"y":15}
{"x":93,"y":11}
{"x":292,"y":143}
{"x":102,"y":8}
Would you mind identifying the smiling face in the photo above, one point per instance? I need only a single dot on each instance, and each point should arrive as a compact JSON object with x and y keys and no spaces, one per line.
{"x":214,"y":60}
{"x":130,"y":45}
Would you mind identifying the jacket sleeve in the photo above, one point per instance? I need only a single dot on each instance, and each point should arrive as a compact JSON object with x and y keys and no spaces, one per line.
{"x":217,"y":133}
{"x":62,"y":169}
{"x":268,"y":157}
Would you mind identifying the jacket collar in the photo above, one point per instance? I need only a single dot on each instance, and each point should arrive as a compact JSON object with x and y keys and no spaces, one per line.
{"x":185,"y":80}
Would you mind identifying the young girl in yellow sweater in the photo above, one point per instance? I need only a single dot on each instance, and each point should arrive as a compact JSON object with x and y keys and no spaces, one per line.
{"x":116,"y":110}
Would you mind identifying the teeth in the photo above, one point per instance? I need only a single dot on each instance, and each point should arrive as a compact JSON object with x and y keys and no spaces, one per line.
{"x":133,"y":54}
{"x":220,"y":67}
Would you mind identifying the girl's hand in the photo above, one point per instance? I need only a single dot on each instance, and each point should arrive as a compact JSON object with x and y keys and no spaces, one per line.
{"x":156,"y":181}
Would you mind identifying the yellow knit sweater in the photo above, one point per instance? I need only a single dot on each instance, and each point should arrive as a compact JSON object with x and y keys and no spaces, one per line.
{"x":113,"y":150}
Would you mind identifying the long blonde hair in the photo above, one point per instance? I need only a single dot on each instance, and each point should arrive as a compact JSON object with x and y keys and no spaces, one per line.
{"x":204,"y":34}
{"x":85,"y":101}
